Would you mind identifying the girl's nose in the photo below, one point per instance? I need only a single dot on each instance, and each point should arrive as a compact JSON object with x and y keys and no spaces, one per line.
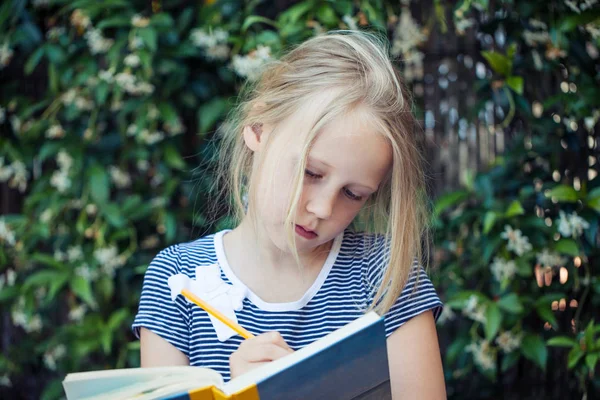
{"x":321,"y":204}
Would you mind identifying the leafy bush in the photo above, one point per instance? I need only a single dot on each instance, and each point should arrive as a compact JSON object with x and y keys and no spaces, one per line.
{"x":109,"y":110}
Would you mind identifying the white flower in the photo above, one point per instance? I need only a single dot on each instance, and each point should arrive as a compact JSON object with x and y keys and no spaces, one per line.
{"x":136,"y":43}
{"x":46,"y":216}
{"x":74,"y":253}
{"x":205,"y":40}
{"x":534,"y":38}
{"x":15,"y":123}
{"x":251,"y":65}
{"x":79,"y":19}
{"x":516,"y":241}
{"x":482,"y":354}
{"x":6,"y":54}
{"x":55,"y":131}
{"x":503,"y":270}
{"x":69,"y":96}
{"x":5,"y":381}
{"x":2,"y":115}
{"x":91,"y":209}
{"x":60,"y":180}
{"x":150,"y":138}
{"x":348,"y":20}
{"x":54,"y":355}
{"x":175,"y":128}
{"x":139,"y":22}
{"x":40,"y":293}
{"x":55,"y":32}
{"x":153,"y":112}
{"x":97,"y":43}
{"x":34,"y":324}
{"x":81,"y":103}
{"x":5,"y":171}
{"x":143,"y":165}
{"x":131,"y":130}
{"x":446,"y":315}
{"x":64,"y":160}
{"x":407,"y":34}
{"x":86,"y":272}
{"x":108,"y":259}
{"x":132,"y":60}
{"x":549,"y":258}
{"x":11,"y":277}
{"x":571,"y":225}
{"x":474,"y":310}
{"x":121,"y":179}
{"x":60,"y":255}
{"x":19,"y":318}
{"x":76,"y":314}
{"x":106,"y":75}
{"x":508,"y":342}
{"x":20,"y":176}
{"x":6,"y":234}
{"x":572,"y":5}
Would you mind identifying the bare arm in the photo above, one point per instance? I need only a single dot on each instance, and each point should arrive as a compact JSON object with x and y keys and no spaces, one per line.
{"x":415,"y":361}
{"x":157,"y":352}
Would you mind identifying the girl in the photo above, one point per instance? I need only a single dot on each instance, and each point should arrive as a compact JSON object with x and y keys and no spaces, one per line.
{"x":324,"y":151}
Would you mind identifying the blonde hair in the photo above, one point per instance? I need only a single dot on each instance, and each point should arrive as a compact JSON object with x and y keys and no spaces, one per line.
{"x":356,"y":65}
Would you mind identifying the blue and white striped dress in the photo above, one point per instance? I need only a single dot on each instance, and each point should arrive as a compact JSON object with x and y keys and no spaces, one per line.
{"x":343,"y":287}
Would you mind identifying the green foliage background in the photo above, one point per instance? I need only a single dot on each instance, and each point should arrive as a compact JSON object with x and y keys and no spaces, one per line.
{"x":106,"y":114}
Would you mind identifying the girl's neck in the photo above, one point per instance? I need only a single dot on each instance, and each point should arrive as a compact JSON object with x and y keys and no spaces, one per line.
{"x":258,"y":250}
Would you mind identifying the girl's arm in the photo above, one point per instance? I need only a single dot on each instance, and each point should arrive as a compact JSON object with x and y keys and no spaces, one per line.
{"x":415,"y":361}
{"x":157,"y":352}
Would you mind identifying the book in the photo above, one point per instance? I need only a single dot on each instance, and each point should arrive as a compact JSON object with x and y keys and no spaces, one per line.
{"x":349,"y":363}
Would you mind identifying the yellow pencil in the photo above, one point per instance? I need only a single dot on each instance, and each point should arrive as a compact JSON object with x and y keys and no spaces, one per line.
{"x":215,"y":313}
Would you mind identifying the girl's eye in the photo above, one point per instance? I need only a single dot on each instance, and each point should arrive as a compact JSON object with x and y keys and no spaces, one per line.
{"x":352,"y":196}
{"x":312,"y":174}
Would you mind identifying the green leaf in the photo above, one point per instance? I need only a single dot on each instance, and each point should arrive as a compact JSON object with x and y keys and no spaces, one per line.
{"x":574,"y":356}
{"x":593,"y":199}
{"x":545,"y":312}
{"x":511,"y":303}
{"x":149,"y":37}
{"x":457,"y":347}
{"x":515,"y":83}
{"x":210,"y":112}
{"x":117,"y":318}
{"x":534,"y":349}
{"x":161,"y":20}
{"x":514,"y":209}
{"x":34,"y":60}
{"x":562,"y":341}
{"x":99,"y":184}
{"x":563,"y":193}
{"x":170,"y":226}
{"x":82,"y":288}
{"x":173,"y":158}
{"x":253,"y":19}
{"x":493,"y":319}
{"x":293,"y":14}
{"x":326,"y":15}
{"x":114,"y":22}
{"x":499,"y":62}
{"x":567,"y":246}
{"x":113,"y":215}
{"x":488,"y":221}
{"x":510,"y":360}
{"x":8,"y":293}
{"x":448,"y":200}
{"x":591,"y":360}
{"x":47,"y":259}
{"x":41,"y":278}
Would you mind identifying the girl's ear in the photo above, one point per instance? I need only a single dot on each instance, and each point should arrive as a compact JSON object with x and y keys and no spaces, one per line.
{"x":253,"y":136}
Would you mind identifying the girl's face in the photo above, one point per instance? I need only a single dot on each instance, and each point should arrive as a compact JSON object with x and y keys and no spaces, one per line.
{"x":346,"y":165}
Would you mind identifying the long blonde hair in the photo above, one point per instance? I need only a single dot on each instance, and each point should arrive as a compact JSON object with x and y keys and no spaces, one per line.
{"x":356,"y":65}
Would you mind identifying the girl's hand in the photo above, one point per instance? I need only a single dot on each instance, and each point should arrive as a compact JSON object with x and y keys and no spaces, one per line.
{"x":257,"y":351}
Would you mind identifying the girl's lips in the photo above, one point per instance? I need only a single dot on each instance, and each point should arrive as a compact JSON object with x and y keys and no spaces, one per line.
{"x":305,"y":233}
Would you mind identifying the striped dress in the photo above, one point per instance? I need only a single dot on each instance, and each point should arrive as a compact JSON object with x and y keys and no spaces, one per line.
{"x":338,"y":296}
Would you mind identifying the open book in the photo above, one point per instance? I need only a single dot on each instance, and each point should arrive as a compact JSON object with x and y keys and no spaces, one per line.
{"x":349,"y":363}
